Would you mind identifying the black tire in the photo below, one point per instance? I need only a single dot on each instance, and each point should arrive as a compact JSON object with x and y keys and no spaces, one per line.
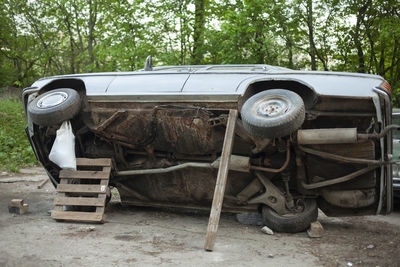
{"x":291,"y":223}
{"x":273,"y":113}
{"x":62,"y":104}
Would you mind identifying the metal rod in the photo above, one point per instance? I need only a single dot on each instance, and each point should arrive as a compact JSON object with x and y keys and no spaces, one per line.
{"x":164,"y":170}
{"x":340,"y":158}
{"x":383,"y":133}
{"x":339,"y":179}
{"x":258,"y":168}
{"x":221,"y":181}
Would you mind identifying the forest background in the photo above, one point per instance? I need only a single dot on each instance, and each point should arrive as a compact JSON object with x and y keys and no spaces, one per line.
{"x":50,"y":37}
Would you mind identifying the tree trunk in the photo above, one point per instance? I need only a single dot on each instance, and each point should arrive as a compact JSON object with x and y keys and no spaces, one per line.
{"x":310,"y":26}
{"x":71,"y":43}
{"x":289,"y":46}
{"x":360,"y":17}
{"x":92,"y":24}
{"x":198,"y":31}
{"x":396,"y":43}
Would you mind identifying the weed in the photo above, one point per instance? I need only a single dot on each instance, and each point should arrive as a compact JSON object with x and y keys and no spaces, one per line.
{"x":15,"y":150}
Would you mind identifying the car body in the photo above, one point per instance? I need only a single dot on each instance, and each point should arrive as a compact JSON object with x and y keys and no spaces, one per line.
{"x":317,"y":139}
{"x":396,"y":154}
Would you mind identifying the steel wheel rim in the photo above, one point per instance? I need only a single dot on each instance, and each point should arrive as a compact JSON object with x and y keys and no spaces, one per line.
{"x":52,"y":100}
{"x":272,"y":107}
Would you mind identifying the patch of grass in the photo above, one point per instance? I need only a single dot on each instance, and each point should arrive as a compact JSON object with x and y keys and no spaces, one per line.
{"x":15,"y":150}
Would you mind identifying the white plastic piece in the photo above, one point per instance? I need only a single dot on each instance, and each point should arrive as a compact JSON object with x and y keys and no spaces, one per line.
{"x":267,"y":230}
{"x":63,"y":151}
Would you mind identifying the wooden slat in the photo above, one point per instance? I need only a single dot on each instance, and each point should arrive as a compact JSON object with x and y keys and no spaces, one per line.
{"x":62,"y":181}
{"x":104,"y":183}
{"x":80,"y":201}
{"x":81,"y":188}
{"x":77,"y":216}
{"x":93,"y":162}
{"x":84,"y":174}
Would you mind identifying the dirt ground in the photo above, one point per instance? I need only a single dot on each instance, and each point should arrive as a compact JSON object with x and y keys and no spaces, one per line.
{"x":146,"y":237}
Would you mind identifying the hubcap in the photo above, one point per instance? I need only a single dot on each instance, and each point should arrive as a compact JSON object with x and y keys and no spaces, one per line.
{"x":272,"y":107}
{"x":52,"y":100}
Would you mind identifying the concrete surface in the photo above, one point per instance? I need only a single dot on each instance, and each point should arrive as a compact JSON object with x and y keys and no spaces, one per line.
{"x":147,"y":237}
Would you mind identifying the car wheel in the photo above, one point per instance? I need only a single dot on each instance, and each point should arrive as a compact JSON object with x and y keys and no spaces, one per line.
{"x":297,"y":221}
{"x":54,"y":107}
{"x":273,"y":113}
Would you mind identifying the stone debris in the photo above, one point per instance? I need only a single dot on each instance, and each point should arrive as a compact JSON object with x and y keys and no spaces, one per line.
{"x":17,"y":206}
{"x":40,"y":186}
{"x":370,"y":246}
{"x":267,"y":230}
{"x":87,"y":229}
{"x":316,"y":230}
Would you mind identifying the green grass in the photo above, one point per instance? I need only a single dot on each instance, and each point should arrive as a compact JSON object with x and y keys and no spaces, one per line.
{"x":15,"y":150}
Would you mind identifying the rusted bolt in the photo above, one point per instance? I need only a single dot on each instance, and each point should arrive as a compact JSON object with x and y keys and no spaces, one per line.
{"x":272,"y":199}
{"x":196,"y":121}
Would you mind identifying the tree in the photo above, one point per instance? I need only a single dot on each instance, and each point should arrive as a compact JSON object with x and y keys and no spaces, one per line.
{"x":48,"y":37}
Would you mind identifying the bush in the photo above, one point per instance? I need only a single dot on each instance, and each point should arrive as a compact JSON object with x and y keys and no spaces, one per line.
{"x":15,"y":150}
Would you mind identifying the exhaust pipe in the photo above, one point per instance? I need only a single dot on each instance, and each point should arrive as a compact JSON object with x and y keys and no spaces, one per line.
{"x":339,"y":135}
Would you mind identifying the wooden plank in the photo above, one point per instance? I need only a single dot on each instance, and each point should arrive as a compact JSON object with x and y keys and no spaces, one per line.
{"x":104,"y":183}
{"x":221,"y":181}
{"x":80,"y":201}
{"x":81,"y":188}
{"x":84,"y":174}
{"x":62,"y":181}
{"x":77,"y":216}
{"x":93,"y":162}
{"x":43,"y":183}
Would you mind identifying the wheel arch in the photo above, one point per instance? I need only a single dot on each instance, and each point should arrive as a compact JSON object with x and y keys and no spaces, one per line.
{"x":304,"y":90}
{"x":73,"y":83}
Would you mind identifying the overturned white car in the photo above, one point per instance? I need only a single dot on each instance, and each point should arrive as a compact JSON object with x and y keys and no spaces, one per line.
{"x":303,"y":140}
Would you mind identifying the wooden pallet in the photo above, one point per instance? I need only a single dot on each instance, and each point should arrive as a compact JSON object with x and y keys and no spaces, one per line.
{"x":81,"y":194}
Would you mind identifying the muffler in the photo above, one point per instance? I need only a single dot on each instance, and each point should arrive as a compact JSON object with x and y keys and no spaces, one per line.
{"x":327,"y":136}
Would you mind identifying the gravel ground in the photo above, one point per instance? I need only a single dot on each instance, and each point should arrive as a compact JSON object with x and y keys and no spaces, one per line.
{"x":146,"y":237}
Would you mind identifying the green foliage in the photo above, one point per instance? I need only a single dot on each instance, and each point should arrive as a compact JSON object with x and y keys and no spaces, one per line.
{"x":51,"y":37}
{"x":15,"y":150}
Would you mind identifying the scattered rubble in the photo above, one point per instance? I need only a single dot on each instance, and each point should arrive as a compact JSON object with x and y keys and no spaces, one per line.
{"x":43,"y":183}
{"x":267,"y":230}
{"x":87,"y":229}
{"x":316,"y":230}
{"x":17,"y":206}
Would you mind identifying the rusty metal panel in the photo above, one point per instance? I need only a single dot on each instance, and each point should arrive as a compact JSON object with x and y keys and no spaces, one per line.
{"x":181,"y":129}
